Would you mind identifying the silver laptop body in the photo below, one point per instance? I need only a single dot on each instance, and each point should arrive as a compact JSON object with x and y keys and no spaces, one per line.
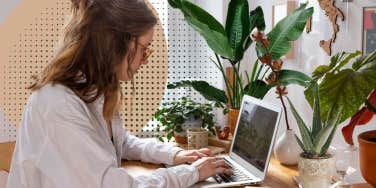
{"x":251,"y":146}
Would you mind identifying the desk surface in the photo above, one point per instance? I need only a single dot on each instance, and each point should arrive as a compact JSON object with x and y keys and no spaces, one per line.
{"x":278,"y":175}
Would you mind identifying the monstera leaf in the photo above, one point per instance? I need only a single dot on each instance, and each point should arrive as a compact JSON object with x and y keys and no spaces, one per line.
{"x":286,"y":30}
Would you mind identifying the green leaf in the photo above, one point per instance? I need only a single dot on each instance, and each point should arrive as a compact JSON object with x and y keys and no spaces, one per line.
{"x":326,"y":146}
{"x":325,"y":135}
{"x":320,"y":71}
{"x":347,"y":59}
{"x":316,"y":122}
{"x":287,"y":77}
{"x":209,"y":28}
{"x":209,"y":92}
{"x":170,"y":135}
{"x":301,"y":144}
{"x":257,"y":88}
{"x":256,"y":19}
{"x":364,"y":60}
{"x":347,"y":89}
{"x":309,"y":94}
{"x":334,"y":60}
{"x":303,"y":129}
{"x":288,"y":29}
{"x":237,"y":26}
{"x":174,"y":4}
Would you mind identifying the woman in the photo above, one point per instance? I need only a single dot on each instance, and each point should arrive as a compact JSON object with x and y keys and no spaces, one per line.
{"x":71,"y":135}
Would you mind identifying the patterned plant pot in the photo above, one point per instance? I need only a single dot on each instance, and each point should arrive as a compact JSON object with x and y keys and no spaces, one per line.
{"x":317,"y":172}
{"x":181,"y":137}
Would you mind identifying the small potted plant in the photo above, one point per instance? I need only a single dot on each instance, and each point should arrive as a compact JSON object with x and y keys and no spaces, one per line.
{"x":174,"y":118}
{"x":316,"y":165}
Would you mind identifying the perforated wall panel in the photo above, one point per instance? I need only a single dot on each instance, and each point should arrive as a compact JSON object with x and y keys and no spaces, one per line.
{"x":28,"y":37}
{"x":188,"y":59}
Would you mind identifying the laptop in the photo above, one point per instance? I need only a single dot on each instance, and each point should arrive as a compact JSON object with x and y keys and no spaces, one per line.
{"x":251,"y":146}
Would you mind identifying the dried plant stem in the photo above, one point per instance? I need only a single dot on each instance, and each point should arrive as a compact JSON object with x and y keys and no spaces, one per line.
{"x":285,"y":110}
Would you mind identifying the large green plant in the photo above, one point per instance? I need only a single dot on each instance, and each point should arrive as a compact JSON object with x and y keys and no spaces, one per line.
{"x":335,"y":93}
{"x":230,"y":42}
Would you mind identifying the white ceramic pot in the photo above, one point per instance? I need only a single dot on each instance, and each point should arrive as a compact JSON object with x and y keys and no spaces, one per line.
{"x":316,"y":173}
{"x":287,"y":149}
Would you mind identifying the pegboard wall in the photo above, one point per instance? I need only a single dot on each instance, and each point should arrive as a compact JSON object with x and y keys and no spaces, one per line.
{"x":29,"y":46}
{"x":188,"y":59}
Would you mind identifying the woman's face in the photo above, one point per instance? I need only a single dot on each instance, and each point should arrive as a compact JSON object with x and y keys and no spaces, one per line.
{"x":143,"y":42}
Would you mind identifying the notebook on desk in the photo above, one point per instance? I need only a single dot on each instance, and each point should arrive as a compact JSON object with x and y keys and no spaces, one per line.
{"x":251,"y":146}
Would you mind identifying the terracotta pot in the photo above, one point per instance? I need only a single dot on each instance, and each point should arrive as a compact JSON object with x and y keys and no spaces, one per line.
{"x":181,"y":139}
{"x":367,"y":156}
{"x":232,"y":118}
{"x":316,"y":173}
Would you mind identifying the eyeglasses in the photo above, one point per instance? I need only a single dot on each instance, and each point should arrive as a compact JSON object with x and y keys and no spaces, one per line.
{"x":147,"y":52}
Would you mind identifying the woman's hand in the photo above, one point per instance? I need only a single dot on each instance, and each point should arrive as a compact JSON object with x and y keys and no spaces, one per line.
{"x":190,"y":156}
{"x":209,"y":166}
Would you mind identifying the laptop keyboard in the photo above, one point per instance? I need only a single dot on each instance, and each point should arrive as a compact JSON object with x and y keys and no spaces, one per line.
{"x":235,"y":177}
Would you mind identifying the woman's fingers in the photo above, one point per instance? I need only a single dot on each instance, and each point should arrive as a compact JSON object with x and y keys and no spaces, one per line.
{"x":205,"y":151}
{"x":221,"y":163}
{"x":209,"y":166}
{"x":199,"y":154}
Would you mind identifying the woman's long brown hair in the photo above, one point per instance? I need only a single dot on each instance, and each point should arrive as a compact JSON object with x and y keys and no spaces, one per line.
{"x":94,"y":44}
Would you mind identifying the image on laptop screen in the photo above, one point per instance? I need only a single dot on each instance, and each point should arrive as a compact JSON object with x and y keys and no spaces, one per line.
{"x":255,"y":131}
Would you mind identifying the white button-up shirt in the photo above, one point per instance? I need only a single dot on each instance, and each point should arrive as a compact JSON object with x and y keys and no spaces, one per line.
{"x":63,"y":142}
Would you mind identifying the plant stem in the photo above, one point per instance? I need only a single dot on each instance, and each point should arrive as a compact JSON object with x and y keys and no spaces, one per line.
{"x":239,"y":85}
{"x":285,"y":110}
{"x":234,"y":86}
{"x":228,"y":86}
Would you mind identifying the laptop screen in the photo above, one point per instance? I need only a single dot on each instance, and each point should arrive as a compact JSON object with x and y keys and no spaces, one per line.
{"x":254,"y":134}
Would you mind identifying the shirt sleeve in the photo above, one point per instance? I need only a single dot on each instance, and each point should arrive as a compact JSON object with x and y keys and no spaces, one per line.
{"x":73,"y":155}
{"x":147,"y":150}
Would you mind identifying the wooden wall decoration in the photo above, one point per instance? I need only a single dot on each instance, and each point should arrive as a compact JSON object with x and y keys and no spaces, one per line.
{"x":333,"y":13}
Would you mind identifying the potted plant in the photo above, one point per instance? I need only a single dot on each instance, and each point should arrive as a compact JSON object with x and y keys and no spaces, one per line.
{"x":336,"y":93}
{"x":231,"y":41}
{"x":315,"y":164}
{"x":175,"y":117}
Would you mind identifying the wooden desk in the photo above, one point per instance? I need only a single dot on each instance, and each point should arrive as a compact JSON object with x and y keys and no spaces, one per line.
{"x":278,"y":176}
